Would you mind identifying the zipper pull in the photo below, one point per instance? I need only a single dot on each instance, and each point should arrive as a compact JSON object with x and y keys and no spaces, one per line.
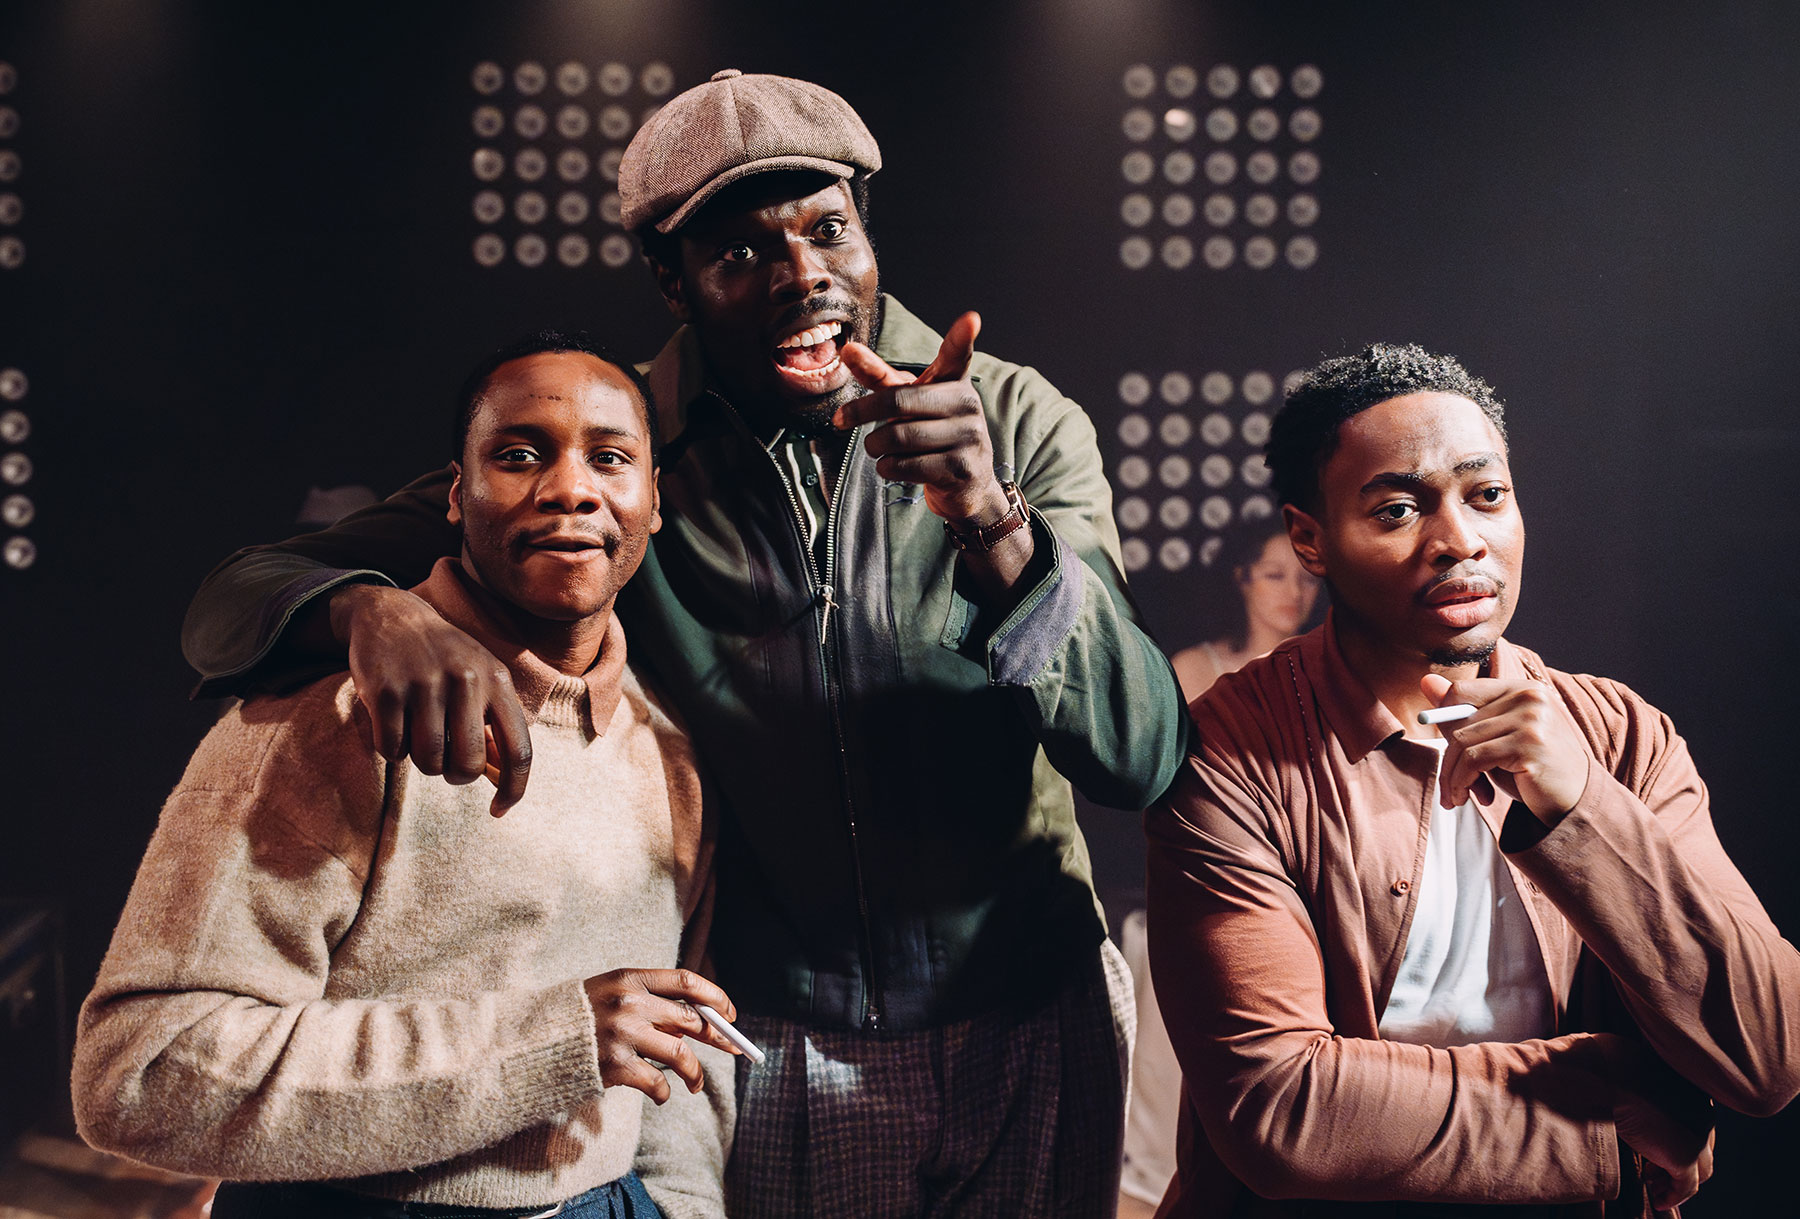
{"x":829,"y":605}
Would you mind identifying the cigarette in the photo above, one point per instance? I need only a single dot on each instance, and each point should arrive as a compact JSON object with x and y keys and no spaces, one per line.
{"x":731,"y":1034}
{"x":1447,"y":715}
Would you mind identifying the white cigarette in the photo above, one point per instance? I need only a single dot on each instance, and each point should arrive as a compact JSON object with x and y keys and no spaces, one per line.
{"x":731,"y":1034}
{"x":1447,"y":715}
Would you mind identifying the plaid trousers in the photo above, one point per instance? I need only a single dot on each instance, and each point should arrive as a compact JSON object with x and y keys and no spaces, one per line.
{"x":1011,"y":1115}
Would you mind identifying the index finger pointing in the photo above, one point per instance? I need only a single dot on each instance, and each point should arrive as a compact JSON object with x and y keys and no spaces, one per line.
{"x":956,"y":352}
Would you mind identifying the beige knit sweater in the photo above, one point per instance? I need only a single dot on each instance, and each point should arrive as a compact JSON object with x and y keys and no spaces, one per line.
{"x":330,"y":968}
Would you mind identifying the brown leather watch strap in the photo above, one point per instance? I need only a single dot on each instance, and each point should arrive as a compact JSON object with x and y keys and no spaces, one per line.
{"x":966,"y":536}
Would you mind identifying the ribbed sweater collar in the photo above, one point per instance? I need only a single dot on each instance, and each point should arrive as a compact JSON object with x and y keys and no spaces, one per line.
{"x":546,"y":694}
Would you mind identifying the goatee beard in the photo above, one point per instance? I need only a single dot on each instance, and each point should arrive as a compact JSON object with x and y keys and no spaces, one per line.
{"x":1452,"y":658}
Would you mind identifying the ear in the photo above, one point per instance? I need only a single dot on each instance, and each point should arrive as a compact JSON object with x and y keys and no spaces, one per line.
{"x":455,"y":513}
{"x":655,"y":500}
{"x":674,"y":291}
{"x":1306,"y":537}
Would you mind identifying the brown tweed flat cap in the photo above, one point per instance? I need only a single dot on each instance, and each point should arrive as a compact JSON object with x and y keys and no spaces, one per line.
{"x":729,"y":128}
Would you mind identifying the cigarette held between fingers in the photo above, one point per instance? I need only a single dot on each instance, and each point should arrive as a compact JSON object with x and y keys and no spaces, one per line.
{"x":730,"y":1031}
{"x":1447,"y":715}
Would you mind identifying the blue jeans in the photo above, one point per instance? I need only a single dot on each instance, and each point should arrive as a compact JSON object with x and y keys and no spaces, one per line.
{"x":621,"y":1199}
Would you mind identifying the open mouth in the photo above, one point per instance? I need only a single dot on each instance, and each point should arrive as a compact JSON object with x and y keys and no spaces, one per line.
{"x":809,"y":359}
{"x":568,"y":547}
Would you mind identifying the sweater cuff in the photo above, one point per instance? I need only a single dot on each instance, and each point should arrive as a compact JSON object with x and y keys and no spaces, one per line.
{"x":558,"y":1066}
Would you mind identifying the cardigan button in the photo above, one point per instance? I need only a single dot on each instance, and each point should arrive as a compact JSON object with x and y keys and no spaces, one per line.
{"x":1402,"y":888}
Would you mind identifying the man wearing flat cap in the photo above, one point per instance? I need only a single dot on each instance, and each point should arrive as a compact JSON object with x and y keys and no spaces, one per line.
{"x":886,"y":597}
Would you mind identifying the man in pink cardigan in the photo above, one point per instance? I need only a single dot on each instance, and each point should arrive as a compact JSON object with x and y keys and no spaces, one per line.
{"x":1430,"y":921}
{"x":345,"y":985}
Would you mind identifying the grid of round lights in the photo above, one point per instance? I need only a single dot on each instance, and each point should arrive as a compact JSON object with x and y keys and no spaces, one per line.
{"x":12,"y":207}
{"x":546,"y":162}
{"x":1220,"y":170}
{"x":1190,"y":462}
{"x":17,"y":511}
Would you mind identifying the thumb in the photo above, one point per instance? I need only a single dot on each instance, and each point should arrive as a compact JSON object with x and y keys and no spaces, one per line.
{"x":870,"y":369}
{"x":957,"y":349}
{"x":1434,"y":686}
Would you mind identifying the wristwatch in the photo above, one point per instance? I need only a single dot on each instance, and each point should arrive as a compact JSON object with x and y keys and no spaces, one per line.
{"x":966,"y":536}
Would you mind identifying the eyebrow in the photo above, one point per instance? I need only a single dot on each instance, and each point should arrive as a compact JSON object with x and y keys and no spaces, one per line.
{"x":598,"y":431}
{"x":1411,"y":480}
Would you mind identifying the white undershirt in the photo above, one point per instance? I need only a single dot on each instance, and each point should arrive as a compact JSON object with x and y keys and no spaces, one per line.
{"x":1472,"y":970}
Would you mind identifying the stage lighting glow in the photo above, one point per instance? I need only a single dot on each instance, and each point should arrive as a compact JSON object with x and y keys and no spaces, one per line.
{"x":488,"y":121}
{"x":488,"y":164}
{"x":15,"y":426}
{"x":1259,"y":253}
{"x":1221,"y":167}
{"x":572,"y":207}
{"x":1215,"y":512}
{"x":1261,"y":167}
{"x":1221,"y":123}
{"x":649,"y":113}
{"x":1255,"y":471}
{"x":609,"y":163}
{"x":1256,"y":424}
{"x":12,"y":208}
{"x":1218,"y":252}
{"x":529,"y":78}
{"x":1306,"y":81}
{"x":1177,"y":252}
{"x":1222,"y":81}
{"x":615,"y":80}
{"x":1302,"y":210}
{"x":1258,"y":388}
{"x":1181,"y":81}
{"x":1256,"y":508}
{"x":572,"y":250}
{"x":19,"y":553}
{"x":1133,"y":512}
{"x":572,"y":122}
{"x":1215,"y":387}
{"x":573,"y":78}
{"x":9,"y":122}
{"x":531,"y":207}
{"x":1292,"y":381}
{"x":17,"y":511}
{"x":1138,"y":124}
{"x":1136,"y":210}
{"x":1305,"y":123}
{"x":615,"y":122}
{"x":1215,"y":429}
{"x":1261,"y":210}
{"x":1138,"y":167}
{"x":1175,"y":471}
{"x":1263,"y":124}
{"x":1176,"y":429}
{"x":1265,"y":80}
{"x":12,"y":253}
{"x":1303,"y":167}
{"x":1139,"y":80}
{"x":10,"y":165}
{"x":1209,"y":550}
{"x":657,"y":78}
{"x":1302,"y":252}
{"x":1178,"y":210}
{"x":1134,"y":472}
{"x":1179,"y":123}
{"x":1135,"y":552}
{"x":1176,"y":388}
{"x":611,"y":210}
{"x":1215,"y":471}
{"x":1175,"y":554}
{"x":615,"y":250}
{"x":488,"y":78}
{"x":1178,"y":167}
{"x":1175,"y":512}
{"x":1134,"y":430}
{"x":572,"y":165}
{"x":530,"y":164}
{"x":490,"y":205}
{"x":1136,"y":253}
{"x":531,"y":122}
{"x":1134,"y":389}
{"x":1220,"y":210}
{"x":15,"y":469}
{"x":531,"y":250}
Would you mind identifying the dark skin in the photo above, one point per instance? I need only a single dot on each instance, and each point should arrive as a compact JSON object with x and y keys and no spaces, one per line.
{"x":769,"y":259}
{"x":1418,"y":532}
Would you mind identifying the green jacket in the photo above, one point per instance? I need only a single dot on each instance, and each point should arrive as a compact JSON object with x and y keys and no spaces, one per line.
{"x":899,"y":848}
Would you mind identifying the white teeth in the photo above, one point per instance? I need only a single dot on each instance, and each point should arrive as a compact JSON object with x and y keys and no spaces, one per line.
{"x":813,"y":337}
{"x":814,"y":374}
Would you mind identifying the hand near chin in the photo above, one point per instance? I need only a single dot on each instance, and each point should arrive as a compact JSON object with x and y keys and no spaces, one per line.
{"x":931,"y":427}
{"x":1521,"y":737}
{"x":432,"y":692}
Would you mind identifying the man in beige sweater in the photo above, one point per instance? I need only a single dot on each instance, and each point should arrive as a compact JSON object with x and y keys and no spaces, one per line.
{"x":344,"y":979}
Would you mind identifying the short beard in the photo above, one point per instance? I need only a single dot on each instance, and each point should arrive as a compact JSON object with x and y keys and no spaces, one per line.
{"x":1454,"y":658}
{"x":813,"y":419}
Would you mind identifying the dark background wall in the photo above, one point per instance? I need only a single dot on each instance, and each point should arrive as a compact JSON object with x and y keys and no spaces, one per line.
{"x":249,"y":266}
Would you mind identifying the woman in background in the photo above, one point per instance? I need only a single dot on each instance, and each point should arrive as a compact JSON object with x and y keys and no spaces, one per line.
{"x":1275,"y":597}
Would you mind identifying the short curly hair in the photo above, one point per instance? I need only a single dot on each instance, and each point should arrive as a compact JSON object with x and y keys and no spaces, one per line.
{"x":1304,"y":434}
